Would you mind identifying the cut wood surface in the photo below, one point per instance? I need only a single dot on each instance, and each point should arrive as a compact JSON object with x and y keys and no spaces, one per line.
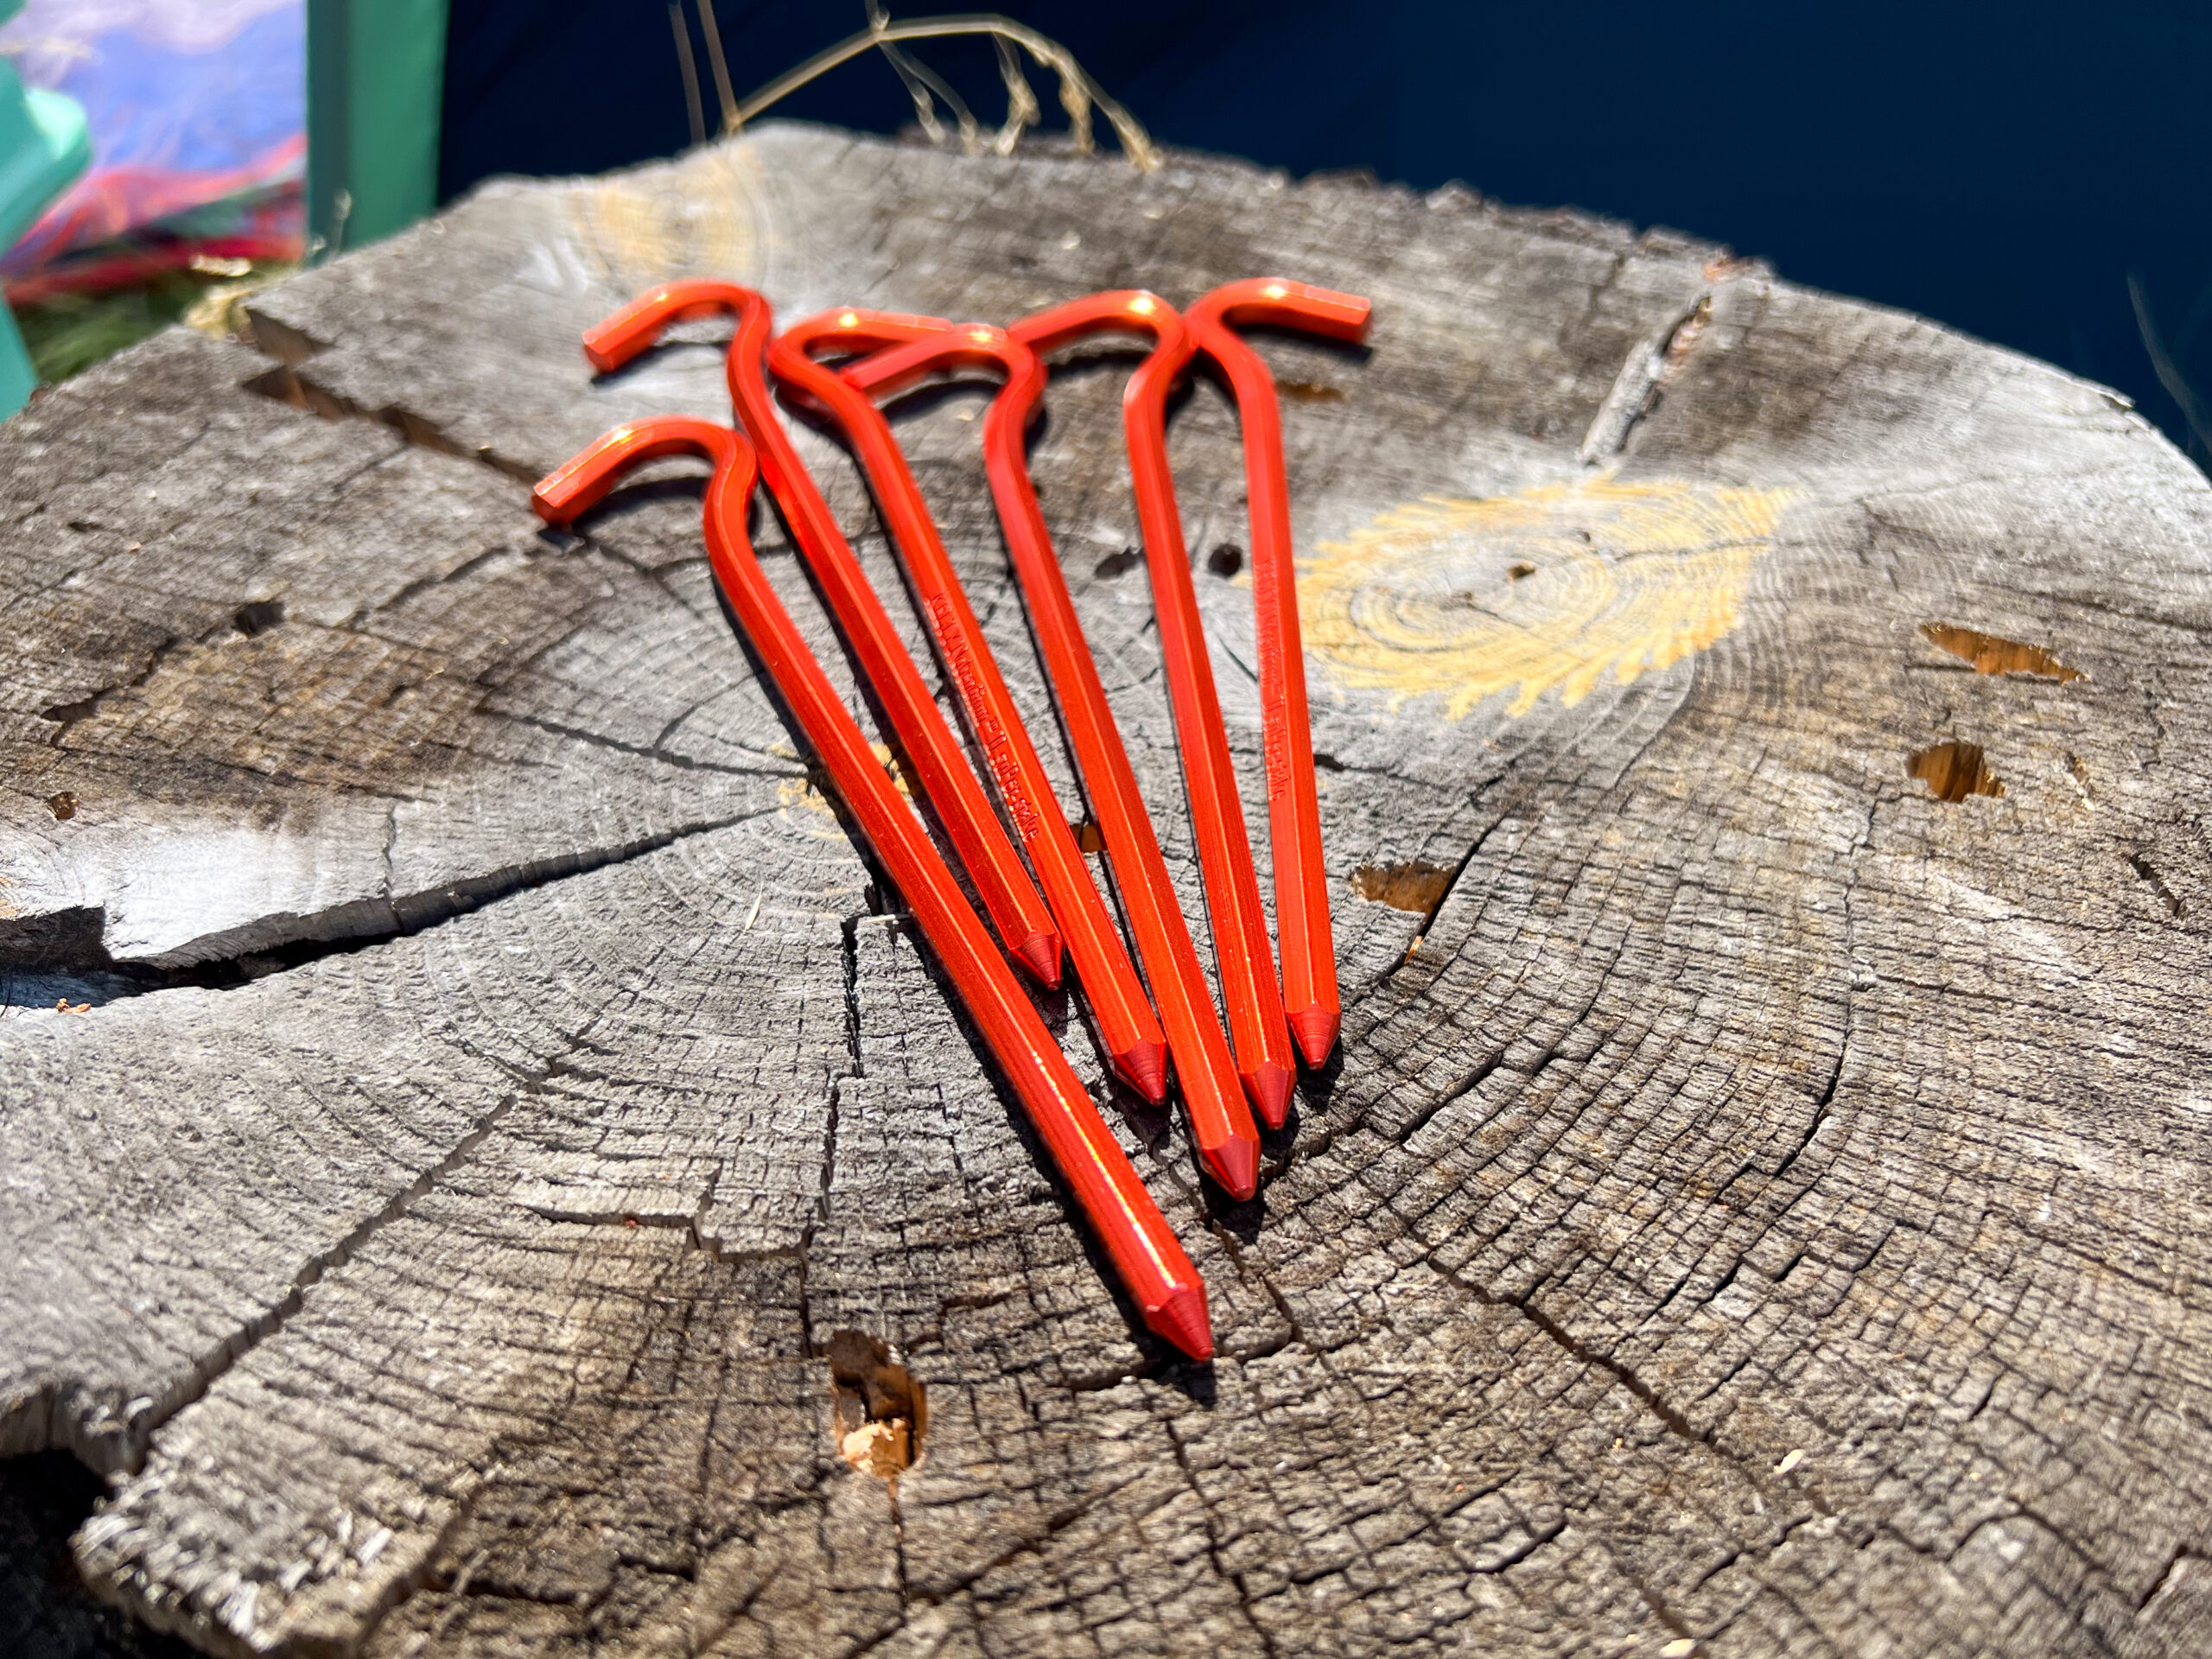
{"x":488,"y":1172}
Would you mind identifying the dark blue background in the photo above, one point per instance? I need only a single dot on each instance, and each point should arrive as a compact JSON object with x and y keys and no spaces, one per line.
{"x":2000,"y":168}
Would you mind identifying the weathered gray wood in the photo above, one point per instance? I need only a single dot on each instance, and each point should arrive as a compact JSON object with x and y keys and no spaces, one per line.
{"x":1759,"y":1204}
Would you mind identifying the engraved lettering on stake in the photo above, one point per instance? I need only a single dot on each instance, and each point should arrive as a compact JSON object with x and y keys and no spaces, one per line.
{"x":1275,"y":741}
{"x":998,"y":748}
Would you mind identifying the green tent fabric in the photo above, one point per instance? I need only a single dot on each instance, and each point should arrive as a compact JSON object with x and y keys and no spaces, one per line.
{"x":43,"y":145}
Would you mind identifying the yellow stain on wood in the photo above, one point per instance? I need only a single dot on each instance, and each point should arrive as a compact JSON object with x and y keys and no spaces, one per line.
{"x":1551,"y":588}
{"x":706,"y":220}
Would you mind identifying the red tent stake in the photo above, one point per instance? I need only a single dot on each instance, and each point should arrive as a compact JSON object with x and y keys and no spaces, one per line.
{"x":1253,"y":999}
{"x":1125,"y":1019}
{"x":1144,"y":1252}
{"x":1220,"y":1121}
{"x":1302,"y":931}
{"x":1016,"y":909}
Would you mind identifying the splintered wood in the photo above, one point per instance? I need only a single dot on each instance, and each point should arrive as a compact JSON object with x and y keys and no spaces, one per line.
{"x":517,"y":1187}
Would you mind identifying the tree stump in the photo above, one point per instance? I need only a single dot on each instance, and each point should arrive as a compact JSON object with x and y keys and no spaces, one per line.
{"x":488,"y":1170}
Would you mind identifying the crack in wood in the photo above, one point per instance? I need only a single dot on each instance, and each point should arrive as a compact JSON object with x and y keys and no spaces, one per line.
{"x":1652,"y":365}
{"x":71,"y":943}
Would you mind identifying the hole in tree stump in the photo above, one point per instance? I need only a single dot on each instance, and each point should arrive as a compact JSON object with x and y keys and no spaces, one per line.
{"x":46,"y":1610}
{"x":1115,"y":563}
{"x":1226,"y":560}
{"x":1414,"y":885}
{"x":2145,"y":874}
{"x":1953,"y":771}
{"x":882,"y":1410}
{"x":259,"y":617}
{"x":1991,"y":654}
